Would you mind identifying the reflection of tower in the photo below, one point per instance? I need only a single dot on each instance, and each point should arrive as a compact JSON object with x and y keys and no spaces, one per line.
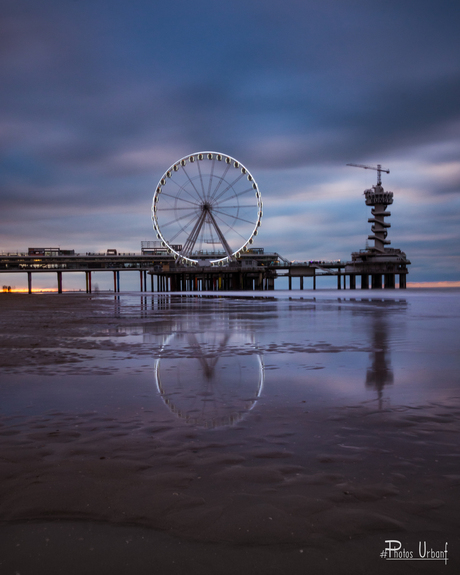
{"x":380,"y":373}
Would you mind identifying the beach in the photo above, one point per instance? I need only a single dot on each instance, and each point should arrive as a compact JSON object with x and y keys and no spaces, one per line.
{"x":282,"y":432}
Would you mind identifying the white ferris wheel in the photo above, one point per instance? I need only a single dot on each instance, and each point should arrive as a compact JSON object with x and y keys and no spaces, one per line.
{"x":206,"y":206}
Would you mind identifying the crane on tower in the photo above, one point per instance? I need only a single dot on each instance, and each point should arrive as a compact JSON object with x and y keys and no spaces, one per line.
{"x":378,"y":168}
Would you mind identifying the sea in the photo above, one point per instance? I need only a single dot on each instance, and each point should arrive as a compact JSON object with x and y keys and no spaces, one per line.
{"x":298,"y":430}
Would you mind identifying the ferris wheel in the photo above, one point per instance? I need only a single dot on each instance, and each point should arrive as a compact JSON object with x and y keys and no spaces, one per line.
{"x":206,"y":206}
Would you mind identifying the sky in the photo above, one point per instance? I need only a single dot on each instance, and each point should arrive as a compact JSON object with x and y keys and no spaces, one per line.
{"x":99,"y":98}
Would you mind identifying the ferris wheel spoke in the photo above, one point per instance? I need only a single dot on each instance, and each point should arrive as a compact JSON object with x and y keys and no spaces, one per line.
{"x":251,"y":189}
{"x":191,"y":240}
{"x":173,"y":208}
{"x":232,"y":216}
{"x":210,"y":179}
{"x":230,"y":227}
{"x":193,"y":185}
{"x":176,"y":220}
{"x":212,"y":241}
{"x":228,"y":187}
{"x":184,"y":189}
{"x":201,"y":179}
{"x":181,"y":199}
{"x":175,"y":235}
{"x":212,"y":235}
{"x":221,"y":236}
{"x":204,"y":233}
{"x":252,"y":206}
{"x":183,"y":229}
{"x":219,"y":183}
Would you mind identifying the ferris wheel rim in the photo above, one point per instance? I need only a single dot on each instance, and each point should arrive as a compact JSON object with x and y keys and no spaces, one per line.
{"x":198,"y":157}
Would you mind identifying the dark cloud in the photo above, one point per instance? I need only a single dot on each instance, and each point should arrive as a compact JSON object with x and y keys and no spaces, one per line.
{"x":98,"y":99}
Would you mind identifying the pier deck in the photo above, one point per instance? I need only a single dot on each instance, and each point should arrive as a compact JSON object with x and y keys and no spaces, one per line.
{"x":253,"y":271}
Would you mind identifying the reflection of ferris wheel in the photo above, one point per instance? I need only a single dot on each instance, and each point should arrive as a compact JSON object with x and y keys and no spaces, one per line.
{"x":214,"y":384}
{"x":206,"y":205}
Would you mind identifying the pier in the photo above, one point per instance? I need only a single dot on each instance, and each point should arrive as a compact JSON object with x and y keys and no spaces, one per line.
{"x":254,"y":270}
{"x":200,"y":257}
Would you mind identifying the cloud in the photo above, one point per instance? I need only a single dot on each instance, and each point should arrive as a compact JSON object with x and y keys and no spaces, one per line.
{"x":99,"y":100}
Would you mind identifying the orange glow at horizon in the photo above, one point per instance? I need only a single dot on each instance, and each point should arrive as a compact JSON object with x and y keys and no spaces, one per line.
{"x":446,"y":284}
{"x":37,"y":290}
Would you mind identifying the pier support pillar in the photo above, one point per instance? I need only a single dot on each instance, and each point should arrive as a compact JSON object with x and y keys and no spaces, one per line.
{"x":29,"y":281}
{"x":389,"y":281}
{"x":260,"y":282}
{"x":402,"y":281}
{"x":339,"y":281}
{"x":88,"y":282}
{"x":376,"y":281}
{"x":314,"y":280}
{"x":59,"y":281}
{"x":290,"y":282}
{"x":301,"y":282}
{"x":352,"y":281}
{"x":365,"y":281}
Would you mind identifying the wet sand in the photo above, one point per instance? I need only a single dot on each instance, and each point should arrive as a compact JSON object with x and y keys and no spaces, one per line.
{"x":287,"y":484}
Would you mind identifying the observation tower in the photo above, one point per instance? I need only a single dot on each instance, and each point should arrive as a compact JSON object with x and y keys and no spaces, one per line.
{"x":379,"y":200}
{"x":378,"y":262}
